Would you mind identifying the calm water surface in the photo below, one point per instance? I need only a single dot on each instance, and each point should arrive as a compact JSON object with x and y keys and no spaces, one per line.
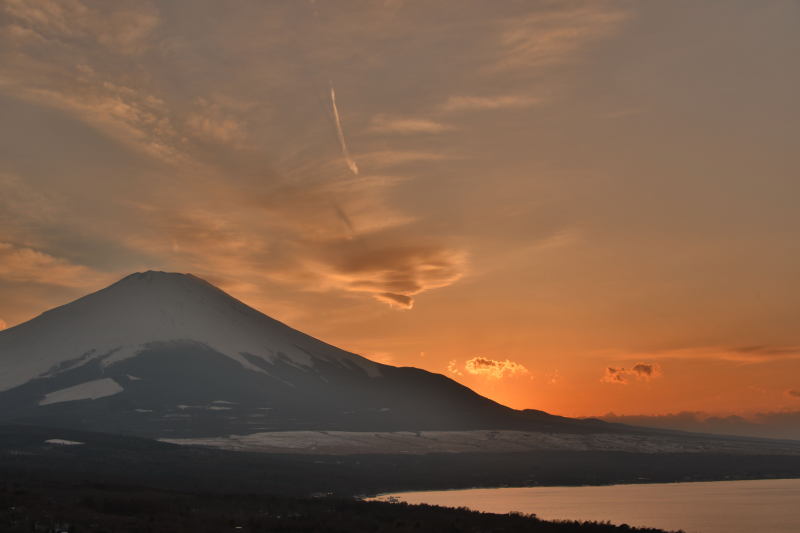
{"x":768,"y":506}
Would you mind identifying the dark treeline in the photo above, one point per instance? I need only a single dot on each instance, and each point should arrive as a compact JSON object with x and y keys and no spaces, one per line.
{"x":94,"y":509}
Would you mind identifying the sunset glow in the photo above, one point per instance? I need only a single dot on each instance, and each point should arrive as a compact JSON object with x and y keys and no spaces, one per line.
{"x":577,"y":207}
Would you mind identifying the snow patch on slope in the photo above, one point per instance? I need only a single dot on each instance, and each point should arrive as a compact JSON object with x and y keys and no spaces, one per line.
{"x":63,"y":442}
{"x":91,"y":390}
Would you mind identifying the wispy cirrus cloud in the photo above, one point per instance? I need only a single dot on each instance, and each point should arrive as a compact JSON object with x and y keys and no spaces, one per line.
{"x":211,"y":122}
{"x":26,"y":265}
{"x":763,"y":352}
{"x":551,"y":36}
{"x":313,"y":239}
{"x":58,"y":56}
{"x":124,"y":30}
{"x":253,"y":191}
{"x":405,"y":125}
{"x":478,"y":103}
{"x":384,"y":159}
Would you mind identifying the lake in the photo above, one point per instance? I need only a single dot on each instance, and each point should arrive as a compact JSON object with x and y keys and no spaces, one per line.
{"x":769,"y":506}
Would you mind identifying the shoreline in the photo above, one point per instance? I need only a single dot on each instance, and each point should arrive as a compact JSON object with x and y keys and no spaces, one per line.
{"x":624,"y":484}
{"x":726,"y":506}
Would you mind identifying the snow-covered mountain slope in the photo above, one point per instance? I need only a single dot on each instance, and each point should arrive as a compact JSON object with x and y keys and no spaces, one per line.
{"x":169,"y":355}
{"x":118,"y":322}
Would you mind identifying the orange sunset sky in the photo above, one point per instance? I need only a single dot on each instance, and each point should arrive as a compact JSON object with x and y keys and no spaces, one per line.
{"x":580,"y":207}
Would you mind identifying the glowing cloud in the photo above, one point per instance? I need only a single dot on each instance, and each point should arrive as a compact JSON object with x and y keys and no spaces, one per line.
{"x":494,"y":369}
{"x":26,"y":265}
{"x":345,"y":152}
{"x":391,"y":273}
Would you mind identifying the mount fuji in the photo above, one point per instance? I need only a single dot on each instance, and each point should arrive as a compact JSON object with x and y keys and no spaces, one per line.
{"x":161,"y":355}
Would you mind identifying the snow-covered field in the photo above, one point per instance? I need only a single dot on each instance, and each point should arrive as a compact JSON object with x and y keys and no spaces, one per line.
{"x":345,"y":442}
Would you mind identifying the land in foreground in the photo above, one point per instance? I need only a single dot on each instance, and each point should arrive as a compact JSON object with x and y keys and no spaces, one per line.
{"x":96,"y":509}
{"x":38,"y":454}
{"x":93,"y":482}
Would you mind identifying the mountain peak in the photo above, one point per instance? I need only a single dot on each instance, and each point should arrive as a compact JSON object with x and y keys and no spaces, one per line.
{"x":121,"y":320}
{"x":162,"y":277}
{"x":149,"y":275}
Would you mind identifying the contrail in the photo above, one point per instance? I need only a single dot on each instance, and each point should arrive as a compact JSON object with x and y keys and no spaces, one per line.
{"x":345,"y":152}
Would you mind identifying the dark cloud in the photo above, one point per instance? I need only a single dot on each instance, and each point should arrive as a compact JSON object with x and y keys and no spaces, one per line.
{"x":639,"y":371}
{"x":645,"y":369}
{"x":615,"y":375}
{"x":793,"y":393}
{"x":398,"y":299}
{"x":390,"y":271}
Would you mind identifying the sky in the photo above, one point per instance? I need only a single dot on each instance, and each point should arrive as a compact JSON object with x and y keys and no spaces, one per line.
{"x":580,"y":207}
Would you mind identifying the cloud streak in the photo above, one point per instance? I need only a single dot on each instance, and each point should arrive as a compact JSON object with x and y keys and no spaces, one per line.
{"x":385,"y":124}
{"x":756,"y":353}
{"x":552,"y":36}
{"x":25,"y":265}
{"x":483,"y":103}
